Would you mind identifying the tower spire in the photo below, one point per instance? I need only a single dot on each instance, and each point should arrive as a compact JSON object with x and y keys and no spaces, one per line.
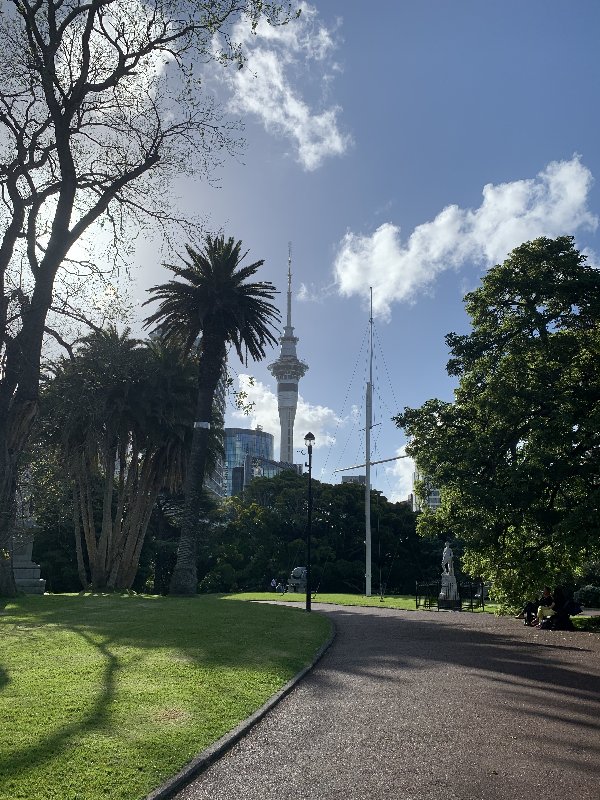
{"x":289,"y":292}
{"x":287,"y":370}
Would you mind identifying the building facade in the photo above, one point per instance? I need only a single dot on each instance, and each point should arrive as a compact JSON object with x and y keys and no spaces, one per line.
{"x":249,"y":454}
{"x":432,"y":499}
{"x":242,"y":445}
{"x":287,"y":371}
{"x":361,"y":479}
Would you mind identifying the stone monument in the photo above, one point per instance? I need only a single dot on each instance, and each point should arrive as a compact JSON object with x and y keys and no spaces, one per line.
{"x":27,"y":574}
{"x":297,"y":580}
{"x":448,"y":597}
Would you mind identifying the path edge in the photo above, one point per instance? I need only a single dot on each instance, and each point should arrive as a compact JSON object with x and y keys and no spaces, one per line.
{"x":207,"y":757}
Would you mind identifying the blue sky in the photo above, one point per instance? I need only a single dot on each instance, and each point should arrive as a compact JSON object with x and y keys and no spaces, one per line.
{"x":406,"y":146}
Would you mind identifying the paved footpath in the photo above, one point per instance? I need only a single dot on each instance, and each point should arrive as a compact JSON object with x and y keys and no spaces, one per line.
{"x":427,"y":706}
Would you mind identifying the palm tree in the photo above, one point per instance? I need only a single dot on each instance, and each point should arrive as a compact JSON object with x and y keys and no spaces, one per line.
{"x":210,"y":298}
{"x":120,"y":414}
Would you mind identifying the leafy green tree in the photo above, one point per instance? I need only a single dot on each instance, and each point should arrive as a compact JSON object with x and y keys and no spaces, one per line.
{"x":263,"y":535}
{"x":211,"y":300}
{"x":51,"y":496}
{"x":517,"y":454}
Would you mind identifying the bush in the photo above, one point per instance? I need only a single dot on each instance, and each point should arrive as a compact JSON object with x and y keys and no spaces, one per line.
{"x":588,"y":596}
{"x":220,"y":579}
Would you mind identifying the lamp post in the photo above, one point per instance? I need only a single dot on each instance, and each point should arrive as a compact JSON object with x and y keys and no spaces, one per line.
{"x":309,"y":440}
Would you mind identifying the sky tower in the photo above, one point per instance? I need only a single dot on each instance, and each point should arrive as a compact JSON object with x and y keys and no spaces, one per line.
{"x":287,"y":370}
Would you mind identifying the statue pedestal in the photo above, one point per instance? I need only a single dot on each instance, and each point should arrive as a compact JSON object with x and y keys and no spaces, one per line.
{"x":448,"y":597}
{"x":27,"y":574}
{"x":297,"y":581}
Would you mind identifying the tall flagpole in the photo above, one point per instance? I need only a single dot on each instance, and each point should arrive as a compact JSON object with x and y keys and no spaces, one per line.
{"x":368,"y":425}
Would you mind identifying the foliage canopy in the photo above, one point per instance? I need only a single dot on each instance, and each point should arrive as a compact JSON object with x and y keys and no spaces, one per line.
{"x":517,"y":454}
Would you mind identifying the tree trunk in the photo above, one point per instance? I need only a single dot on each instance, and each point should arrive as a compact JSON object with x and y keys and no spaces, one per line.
{"x":14,"y":431}
{"x":81,"y":570}
{"x":184,"y":580}
{"x":87,"y":512}
{"x":129,"y":565}
{"x":8,"y":587}
{"x":19,"y":393}
{"x":101,"y":564}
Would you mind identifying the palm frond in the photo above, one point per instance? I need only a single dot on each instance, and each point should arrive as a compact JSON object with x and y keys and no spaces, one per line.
{"x":211,"y":294}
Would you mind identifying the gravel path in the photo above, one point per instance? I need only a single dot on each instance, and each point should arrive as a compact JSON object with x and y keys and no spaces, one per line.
{"x":434,"y":706}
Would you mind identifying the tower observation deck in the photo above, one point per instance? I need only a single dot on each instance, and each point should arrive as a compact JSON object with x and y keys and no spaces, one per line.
{"x":287,"y":371}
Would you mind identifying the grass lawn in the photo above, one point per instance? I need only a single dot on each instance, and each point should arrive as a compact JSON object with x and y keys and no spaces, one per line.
{"x":589,"y":624}
{"x":104,"y":697}
{"x":406,"y":601}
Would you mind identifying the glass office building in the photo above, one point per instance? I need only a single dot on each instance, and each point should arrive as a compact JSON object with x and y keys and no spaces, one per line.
{"x":249,"y":454}
{"x":433,"y":499}
{"x":242,"y":445}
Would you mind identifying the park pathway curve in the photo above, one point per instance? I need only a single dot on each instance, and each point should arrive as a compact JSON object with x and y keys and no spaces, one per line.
{"x":426,"y":706}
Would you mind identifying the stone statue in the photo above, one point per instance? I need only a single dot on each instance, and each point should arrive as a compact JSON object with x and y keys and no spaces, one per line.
{"x":448,"y":597}
{"x":447,"y":560}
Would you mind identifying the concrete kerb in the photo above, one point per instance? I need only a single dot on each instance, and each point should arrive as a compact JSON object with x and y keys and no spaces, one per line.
{"x":216,"y":750}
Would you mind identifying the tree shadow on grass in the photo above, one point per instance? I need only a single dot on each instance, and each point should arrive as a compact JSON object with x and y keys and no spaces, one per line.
{"x":194,"y":626}
{"x":32,"y":755}
{"x":204,"y":631}
{"x":215,"y":633}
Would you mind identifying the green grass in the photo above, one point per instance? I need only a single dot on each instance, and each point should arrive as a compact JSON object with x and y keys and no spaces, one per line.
{"x":405,"y":602}
{"x":589,"y":624}
{"x":104,"y":697}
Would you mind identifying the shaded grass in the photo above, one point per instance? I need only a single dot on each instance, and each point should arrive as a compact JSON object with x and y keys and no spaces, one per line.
{"x":589,"y":624}
{"x":107,"y":696}
{"x":405,"y":602}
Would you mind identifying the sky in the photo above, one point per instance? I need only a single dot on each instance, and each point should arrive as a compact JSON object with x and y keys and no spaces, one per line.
{"x":405,"y":146}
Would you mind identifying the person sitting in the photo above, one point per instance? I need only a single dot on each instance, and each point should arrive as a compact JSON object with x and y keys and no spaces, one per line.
{"x":531,"y":610}
{"x":548,"y":609}
{"x":563,"y":608}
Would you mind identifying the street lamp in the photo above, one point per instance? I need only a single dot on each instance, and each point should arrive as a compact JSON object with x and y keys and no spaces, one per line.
{"x":309,"y":440}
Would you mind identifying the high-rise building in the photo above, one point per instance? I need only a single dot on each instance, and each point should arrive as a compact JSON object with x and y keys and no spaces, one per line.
{"x":242,"y":444}
{"x":361,"y":479}
{"x":432,"y":499}
{"x":287,"y":370}
{"x":249,"y":454}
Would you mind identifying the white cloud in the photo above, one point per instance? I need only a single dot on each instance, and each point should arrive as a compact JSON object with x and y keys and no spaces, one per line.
{"x":552,"y":204}
{"x":264,"y":88}
{"x":400,"y":475}
{"x":312,"y":293}
{"x":320,"y":420}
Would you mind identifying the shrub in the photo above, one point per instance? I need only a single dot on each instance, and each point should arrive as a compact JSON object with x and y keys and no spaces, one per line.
{"x":588,"y":596}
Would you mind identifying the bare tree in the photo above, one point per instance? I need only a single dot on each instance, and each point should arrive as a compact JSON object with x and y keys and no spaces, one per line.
{"x":100,"y":105}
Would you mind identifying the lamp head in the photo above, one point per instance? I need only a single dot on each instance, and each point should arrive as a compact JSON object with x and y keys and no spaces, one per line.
{"x":309,"y":439}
